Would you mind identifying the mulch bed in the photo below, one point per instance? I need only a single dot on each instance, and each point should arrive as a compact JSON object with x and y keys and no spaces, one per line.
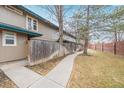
{"x":45,"y":67}
{"x":5,"y":82}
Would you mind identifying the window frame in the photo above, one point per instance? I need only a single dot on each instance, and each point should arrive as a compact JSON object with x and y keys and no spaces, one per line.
{"x":4,"y":38}
{"x":32,"y":23}
{"x":28,"y":23}
{"x":36,"y":24}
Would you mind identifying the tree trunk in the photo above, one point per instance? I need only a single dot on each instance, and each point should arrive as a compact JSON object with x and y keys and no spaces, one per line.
{"x":85,"y":47}
{"x":61,"y":24}
{"x":87,"y":33}
{"x":59,"y":15}
{"x":115,"y":41}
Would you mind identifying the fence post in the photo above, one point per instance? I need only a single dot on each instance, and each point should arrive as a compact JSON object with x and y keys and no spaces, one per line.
{"x":95,"y":46}
{"x":29,"y":51}
{"x":115,"y":48}
{"x":102,"y":47}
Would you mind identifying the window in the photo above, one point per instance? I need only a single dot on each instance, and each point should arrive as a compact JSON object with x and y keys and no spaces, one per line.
{"x":32,"y":24}
{"x":12,"y":8}
{"x":9,"y":39}
{"x":29,"y":24}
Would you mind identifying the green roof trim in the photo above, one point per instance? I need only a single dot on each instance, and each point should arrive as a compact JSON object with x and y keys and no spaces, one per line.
{"x":19,"y":30}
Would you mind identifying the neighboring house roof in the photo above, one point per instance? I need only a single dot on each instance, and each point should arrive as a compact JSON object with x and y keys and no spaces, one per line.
{"x":67,"y":38}
{"x":18,"y":29}
{"x":42,"y":19}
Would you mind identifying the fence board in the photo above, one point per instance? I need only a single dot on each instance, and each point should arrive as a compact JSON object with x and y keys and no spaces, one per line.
{"x":109,"y":47}
{"x":120,"y":48}
{"x":40,"y":49}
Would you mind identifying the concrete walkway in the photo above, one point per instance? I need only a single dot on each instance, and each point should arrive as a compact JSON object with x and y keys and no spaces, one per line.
{"x":57,"y":78}
{"x":13,"y":64}
{"x":24,"y":77}
{"x":61,"y":73}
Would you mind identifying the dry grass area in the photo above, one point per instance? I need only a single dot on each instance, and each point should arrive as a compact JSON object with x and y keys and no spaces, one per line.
{"x":45,"y":67}
{"x":100,"y":70}
{"x":5,"y":82}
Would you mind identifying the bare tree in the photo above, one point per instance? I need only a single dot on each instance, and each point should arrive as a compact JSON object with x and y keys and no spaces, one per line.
{"x":87,"y":31}
{"x":59,"y":16}
{"x":58,"y":12}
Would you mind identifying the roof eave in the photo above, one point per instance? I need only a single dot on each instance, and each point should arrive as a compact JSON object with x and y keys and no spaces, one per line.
{"x":19,"y":30}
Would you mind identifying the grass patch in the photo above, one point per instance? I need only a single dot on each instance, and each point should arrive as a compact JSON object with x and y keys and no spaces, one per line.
{"x":5,"y":82}
{"x":45,"y":67}
{"x":101,"y":70}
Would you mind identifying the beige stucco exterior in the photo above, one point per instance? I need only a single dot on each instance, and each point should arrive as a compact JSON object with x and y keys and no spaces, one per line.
{"x":48,"y":33}
{"x":10,"y":17}
{"x":9,"y":53}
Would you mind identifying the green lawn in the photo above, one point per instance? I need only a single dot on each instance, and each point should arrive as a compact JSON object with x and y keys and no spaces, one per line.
{"x":98,"y":70}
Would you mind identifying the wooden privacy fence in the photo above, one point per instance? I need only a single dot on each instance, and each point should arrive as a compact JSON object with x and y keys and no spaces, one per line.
{"x":115,"y":48}
{"x":42,"y":49}
{"x":71,"y":47}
